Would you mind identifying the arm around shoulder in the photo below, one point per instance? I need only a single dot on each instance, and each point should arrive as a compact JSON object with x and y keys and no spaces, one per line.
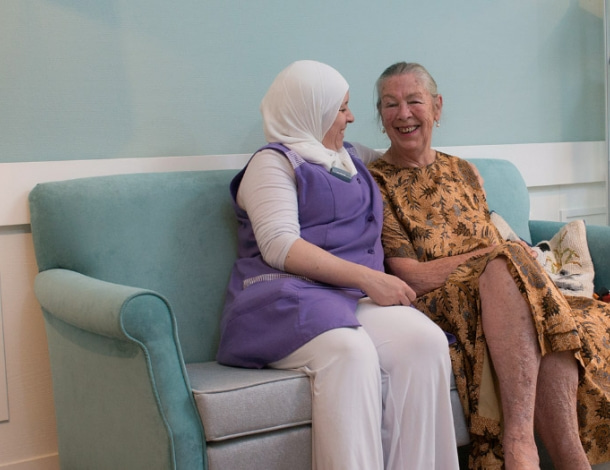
{"x":366,"y":154}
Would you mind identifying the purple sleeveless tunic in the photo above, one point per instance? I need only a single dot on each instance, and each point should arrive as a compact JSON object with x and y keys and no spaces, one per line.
{"x":269,"y":313}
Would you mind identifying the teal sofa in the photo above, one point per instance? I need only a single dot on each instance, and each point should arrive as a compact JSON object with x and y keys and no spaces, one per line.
{"x":131,"y":284}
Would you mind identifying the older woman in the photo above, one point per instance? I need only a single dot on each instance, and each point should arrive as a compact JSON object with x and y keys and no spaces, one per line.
{"x":548,"y":352}
{"x":308,"y":287}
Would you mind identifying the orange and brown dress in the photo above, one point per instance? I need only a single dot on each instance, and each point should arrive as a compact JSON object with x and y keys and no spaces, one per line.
{"x":440,"y":210}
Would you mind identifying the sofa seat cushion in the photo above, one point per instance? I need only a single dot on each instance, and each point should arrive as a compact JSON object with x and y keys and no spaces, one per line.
{"x":234,"y":402}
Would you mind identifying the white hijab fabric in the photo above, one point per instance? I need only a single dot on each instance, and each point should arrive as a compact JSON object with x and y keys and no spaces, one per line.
{"x":299,"y":108}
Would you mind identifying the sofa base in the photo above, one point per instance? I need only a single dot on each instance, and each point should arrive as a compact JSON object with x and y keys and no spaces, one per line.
{"x":288,"y":448}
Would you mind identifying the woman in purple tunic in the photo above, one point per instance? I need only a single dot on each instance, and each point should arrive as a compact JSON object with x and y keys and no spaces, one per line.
{"x":308,"y":290}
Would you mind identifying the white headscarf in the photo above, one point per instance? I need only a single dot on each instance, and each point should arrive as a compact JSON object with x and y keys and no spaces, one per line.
{"x":299,"y":108}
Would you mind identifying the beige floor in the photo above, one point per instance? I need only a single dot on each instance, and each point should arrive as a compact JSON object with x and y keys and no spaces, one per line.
{"x":545,"y":461}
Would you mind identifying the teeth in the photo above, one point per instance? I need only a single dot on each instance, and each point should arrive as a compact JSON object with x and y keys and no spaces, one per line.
{"x":406,"y":130}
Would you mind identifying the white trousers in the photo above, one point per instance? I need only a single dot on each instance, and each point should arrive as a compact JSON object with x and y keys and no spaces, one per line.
{"x":380,"y":393}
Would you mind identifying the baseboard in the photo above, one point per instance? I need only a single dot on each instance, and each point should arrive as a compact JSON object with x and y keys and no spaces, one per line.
{"x":45,"y":462}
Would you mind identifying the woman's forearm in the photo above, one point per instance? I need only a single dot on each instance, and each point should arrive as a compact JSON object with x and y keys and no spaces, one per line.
{"x":306,"y":259}
{"x":426,"y":276}
{"x":315,"y":263}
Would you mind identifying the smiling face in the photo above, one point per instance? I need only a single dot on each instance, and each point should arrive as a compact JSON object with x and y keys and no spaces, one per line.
{"x":408,"y":111}
{"x":333,"y":139}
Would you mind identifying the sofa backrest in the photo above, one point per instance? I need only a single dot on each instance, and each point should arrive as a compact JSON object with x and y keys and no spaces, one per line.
{"x":174,"y":233}
{"x":506,"y":193}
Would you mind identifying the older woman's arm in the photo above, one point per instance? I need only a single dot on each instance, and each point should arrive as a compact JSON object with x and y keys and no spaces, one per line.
{"x":426,"y":276}
{"x":401,"y":258}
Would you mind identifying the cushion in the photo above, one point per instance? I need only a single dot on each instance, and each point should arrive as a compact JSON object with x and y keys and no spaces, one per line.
{"x":234,"y":402}
{"x":565,"y":257}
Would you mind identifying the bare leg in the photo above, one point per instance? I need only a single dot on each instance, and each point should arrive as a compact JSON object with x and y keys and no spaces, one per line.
{"x":513,"y":347}
{"x":555,"y":417}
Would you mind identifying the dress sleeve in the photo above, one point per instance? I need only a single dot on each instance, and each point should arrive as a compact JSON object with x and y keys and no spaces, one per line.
{"x":394,"y":238}
{"x":269,"y":196}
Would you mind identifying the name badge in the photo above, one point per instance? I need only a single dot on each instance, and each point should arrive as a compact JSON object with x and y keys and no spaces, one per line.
{"x":341,"y":174}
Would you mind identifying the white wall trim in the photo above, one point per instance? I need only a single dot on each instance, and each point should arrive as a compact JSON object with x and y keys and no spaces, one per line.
{"x":567,"y":215}
{"x":546,"y":164}
{"x":541,"y":164}
{"x":18,"y":179}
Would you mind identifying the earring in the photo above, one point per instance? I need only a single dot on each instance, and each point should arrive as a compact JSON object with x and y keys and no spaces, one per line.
{"x":438,"y":123}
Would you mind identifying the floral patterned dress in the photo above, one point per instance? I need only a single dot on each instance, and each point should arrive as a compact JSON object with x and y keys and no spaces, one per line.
{"x":440,"y":210}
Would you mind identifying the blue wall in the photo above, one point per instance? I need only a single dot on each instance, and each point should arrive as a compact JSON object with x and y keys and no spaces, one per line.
{"x":82,"y":79}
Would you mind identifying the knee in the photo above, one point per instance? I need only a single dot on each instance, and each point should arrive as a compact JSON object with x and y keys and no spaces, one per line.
{"x":416,"y":338}
{"x":430,"y":340}
{"x":496,"y":278}
{"x":353,"y":346}
{"x":495,"y":267}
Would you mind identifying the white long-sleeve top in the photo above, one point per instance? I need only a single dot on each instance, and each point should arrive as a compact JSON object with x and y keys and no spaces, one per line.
{"x":268,"y":194}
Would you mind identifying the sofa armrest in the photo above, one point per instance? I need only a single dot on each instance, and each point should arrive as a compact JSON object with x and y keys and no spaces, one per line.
{"x":598,"y":240}
{"x":116,"y":359}
{"x":86,"y":303}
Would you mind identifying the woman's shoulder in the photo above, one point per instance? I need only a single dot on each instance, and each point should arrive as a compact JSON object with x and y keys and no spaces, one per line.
{"x":378,"y":164}
{"x":268,"y":165}
{"x":442,"y":156}
{"x":381,"y":170}
{"x":452,"y":161}
{"x":460,"y":169}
